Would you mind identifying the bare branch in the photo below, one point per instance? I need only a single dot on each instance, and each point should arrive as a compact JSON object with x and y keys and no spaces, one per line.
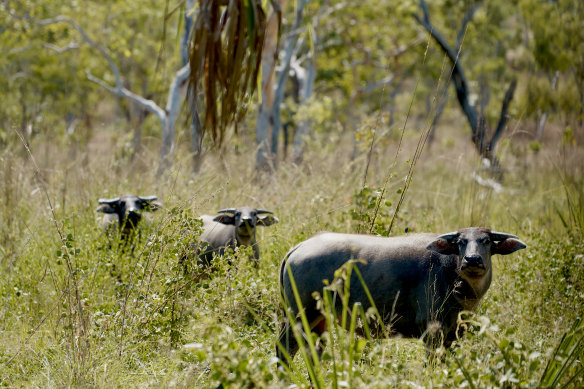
{"x":279,"y":95}
{"x":123,"y":92}
{"x":467,"y":18}
{"x":60,"y":50}
{"x":87,"y":39}
{"x":503,"y":118}
{"x":477,"y":123}
{"x":378,"y":84}
{"x":458,"y":77}
{"x":487,"y":182}
{"x":119,"y":88}
{"x":425,"y":12}
{"x":172,"y":108}
{"x":166,"y":116}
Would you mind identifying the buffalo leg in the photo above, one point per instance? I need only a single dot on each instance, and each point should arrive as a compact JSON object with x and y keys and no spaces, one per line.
{"x":287,"y":341}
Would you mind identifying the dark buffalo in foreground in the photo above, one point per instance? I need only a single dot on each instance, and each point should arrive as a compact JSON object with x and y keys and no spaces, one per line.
{"x":417,"y":282}
{"x":233,"y":227}
{"x":124,"y":213}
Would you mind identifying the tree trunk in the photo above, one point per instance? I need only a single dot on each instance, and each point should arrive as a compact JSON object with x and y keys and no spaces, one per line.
{"x":306,"y":89}
{"x":196,"y":138}
{"x":285,"y":68}
{"x":172,"y":109}
{"x":265,"y":119}
{"x":477,"y":124}
{"x":543,"y":119}
{"x":196,"y":142}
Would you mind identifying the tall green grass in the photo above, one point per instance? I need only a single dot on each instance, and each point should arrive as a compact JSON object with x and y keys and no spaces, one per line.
{"x":75,"y":312}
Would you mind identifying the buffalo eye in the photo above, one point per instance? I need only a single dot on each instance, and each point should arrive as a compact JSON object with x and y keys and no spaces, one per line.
{"x":461,"y":241}
{"x":485,"y":241}
{"x":238,"y":214}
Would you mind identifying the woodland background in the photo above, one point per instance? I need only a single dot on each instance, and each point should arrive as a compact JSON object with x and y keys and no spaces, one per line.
{"x":100,"y":99}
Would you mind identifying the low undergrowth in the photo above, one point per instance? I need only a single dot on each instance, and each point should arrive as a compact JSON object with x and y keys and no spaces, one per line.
{"x":77,"y":310}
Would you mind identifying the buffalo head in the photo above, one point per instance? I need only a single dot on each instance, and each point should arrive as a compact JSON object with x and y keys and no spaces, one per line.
{"x":245,"y":220}
{"x":126,"y":211}
{"x":473,"y":248}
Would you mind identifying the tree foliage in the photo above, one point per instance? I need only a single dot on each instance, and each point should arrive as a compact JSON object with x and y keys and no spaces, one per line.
{"x":371,"y":58}
{"x":225,"y":59}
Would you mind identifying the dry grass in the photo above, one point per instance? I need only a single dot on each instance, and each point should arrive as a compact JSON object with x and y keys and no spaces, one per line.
{"x":43,"y":344}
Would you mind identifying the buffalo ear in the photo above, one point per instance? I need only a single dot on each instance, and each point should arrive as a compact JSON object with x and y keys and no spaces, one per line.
{"x":151,"y":206}
{"x":225,"y":219}
{"x":507,"y":246}
{"x":443,"y":246}
{"x":107,"y":208}
{"x":267,"y":220}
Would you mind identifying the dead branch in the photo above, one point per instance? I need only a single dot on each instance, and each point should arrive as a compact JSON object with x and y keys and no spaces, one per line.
{"x":477,"y":123}
{"x":60,"y":50}
{"x":167,"y":116}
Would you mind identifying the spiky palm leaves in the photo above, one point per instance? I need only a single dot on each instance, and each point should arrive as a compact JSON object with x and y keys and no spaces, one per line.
{"x":225,"y":58}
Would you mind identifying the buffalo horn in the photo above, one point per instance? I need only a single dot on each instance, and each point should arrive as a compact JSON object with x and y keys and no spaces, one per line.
{"x":260,"y":211}
{"x":148,"y":198}
{"x":227,"y":210}
{"x":500,"y":236}
{"x":449,"y":236}
{"x":108,"y":201}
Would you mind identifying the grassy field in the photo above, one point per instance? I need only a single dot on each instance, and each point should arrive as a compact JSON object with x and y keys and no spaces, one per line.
{"x":75,"y":312}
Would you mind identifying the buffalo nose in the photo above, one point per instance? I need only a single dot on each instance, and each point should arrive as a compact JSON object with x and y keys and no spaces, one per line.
{"x":473,"y":260}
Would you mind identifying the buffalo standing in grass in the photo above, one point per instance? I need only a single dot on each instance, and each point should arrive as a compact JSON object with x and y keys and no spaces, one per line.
{"x":233,"y":227}
{"x":416,"y":281}
{"x":124,"y":213}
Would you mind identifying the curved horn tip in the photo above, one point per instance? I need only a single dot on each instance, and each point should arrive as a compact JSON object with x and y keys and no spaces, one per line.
{"x":227,"y":210}
{"x":263,"y":211}
{"x":449,"y":235}
{"x":148,"y":198}
{"x":502,"y":235}
{"x":108,"y":201}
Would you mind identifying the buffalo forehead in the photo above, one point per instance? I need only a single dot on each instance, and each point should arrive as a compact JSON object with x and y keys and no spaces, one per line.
{"x":474,"y":233}
{"x":246,"y":211}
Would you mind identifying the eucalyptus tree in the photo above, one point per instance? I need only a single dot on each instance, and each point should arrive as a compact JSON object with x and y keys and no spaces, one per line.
{"x":38,"y":75}
{"x":475,"y":111}
{"x":54,"y":47}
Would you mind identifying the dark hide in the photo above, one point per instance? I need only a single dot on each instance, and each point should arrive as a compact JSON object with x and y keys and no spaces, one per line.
{"x":417,"y":282}
{"x":124,"y":213}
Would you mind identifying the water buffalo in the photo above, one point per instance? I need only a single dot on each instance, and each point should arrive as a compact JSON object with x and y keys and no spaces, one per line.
{"x":417,"y":282}
{"x":233,"y":227}
{"x":124,"y":213}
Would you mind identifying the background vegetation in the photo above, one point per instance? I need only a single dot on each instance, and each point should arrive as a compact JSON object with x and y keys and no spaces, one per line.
{"x":75,"y":312}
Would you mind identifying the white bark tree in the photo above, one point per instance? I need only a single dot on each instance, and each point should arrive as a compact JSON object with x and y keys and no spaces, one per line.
{"x":167,"y":116}
{"x":306,"y":77}
{"x":264,"y":123}
{"x":196,"y":138}
{"x":289,"y":47}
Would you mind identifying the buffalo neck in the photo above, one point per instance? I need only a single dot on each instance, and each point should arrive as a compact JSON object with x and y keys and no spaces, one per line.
{"x":467,"y":292}
{"x":245,"y":240}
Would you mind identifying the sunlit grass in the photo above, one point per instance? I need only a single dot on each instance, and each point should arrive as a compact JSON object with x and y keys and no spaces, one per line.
{"x":135,"y":309}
